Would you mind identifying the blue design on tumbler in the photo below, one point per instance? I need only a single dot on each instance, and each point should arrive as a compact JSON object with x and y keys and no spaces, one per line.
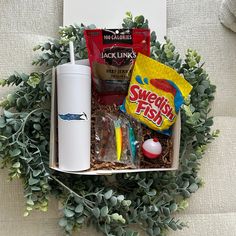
{"x":70,"y":116}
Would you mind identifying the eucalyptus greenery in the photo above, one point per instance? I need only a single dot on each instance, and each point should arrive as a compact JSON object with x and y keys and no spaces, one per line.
{"x":113,"y":204}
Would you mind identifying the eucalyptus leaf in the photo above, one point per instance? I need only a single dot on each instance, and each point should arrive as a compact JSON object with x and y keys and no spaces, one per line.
{"x":2,"y":120}
{"x":69,"y":227}
{"x":15,"y":152}
{"x":104,"y":211}
{"x":186,"y":193}
{"x":63,"y":222}
{"x":173,"y":226}
{"x":113,"y":200}
{"x":51,"y":62}
{"x":37,"y":127}
{"x":33,"y":181}
{"x":36,"y":173}
{"x":108,"y":194}
{"x":209,"y":122}
{"x":30,"y":202}
{"x":150,"y":232}
{"x":96,"y":212}
{"x":99,"y":198}
{"x":47,"y":46}
{"x":157,"y":231}
{"x":2,"y":125}
{"x":8,"y":114}
{"x":120,"y":198}
{"x":35,"y":188}
{"x":16,"y":165}
{"x":79,"y":208}
{"x":166,"y":211}
{"x":173,"y":207}
{"x":193,"y":188}
{"x":80,"y":220}
{"x":152,"y":193}
{"x":68,"y":213}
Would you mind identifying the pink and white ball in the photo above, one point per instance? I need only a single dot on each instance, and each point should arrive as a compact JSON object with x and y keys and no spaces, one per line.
{"x":152,"y":148}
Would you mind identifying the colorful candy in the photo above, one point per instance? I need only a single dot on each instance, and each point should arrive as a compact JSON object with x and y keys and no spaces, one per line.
{"x":117,"y":138}
{"x":118,"y":135}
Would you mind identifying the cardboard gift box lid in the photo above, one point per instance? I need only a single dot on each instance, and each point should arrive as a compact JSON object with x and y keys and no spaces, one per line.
{"x":53,"y":156}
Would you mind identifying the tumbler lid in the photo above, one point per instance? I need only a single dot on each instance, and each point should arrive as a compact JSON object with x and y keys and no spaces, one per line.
{"x":69,"y":68}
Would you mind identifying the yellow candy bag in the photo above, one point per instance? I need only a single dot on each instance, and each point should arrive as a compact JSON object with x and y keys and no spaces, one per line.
{"x":155,"y":94}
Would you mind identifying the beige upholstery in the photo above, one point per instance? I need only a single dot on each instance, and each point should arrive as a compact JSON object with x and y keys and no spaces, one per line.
{"x":227,"y":14}
{"x":191,"y":23}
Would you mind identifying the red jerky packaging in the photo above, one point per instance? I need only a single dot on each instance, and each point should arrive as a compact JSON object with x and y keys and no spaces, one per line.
{"x":111,"y":54}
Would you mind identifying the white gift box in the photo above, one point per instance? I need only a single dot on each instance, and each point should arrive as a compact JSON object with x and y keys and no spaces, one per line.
{"x":53,"y":162}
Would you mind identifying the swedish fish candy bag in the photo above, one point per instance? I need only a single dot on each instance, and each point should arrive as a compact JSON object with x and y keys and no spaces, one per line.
{"x":155,"y":94}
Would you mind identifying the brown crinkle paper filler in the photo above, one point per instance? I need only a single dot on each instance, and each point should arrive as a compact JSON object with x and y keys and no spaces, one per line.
{"x":164,"y":161}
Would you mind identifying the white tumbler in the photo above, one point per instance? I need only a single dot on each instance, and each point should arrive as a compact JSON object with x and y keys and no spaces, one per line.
{"x":74,"y":116}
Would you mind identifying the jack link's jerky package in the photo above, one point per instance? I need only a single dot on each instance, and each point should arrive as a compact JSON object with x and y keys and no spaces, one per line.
{"x":111,"y":54}
{"x":155,"y":94}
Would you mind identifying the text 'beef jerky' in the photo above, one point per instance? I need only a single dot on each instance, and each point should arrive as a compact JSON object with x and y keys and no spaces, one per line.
{"x":111,"y":54}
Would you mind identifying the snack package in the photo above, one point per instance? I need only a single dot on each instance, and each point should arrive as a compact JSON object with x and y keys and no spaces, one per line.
{"x":155,"y":94}
{"x":111,"y":54}
{"x":118,"y":138}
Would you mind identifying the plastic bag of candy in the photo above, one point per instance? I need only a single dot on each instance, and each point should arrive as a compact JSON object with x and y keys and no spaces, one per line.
{"x":118,"y":138}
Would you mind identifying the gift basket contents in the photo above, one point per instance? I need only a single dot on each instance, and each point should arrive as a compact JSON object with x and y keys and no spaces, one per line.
{"x":130,"y":120}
